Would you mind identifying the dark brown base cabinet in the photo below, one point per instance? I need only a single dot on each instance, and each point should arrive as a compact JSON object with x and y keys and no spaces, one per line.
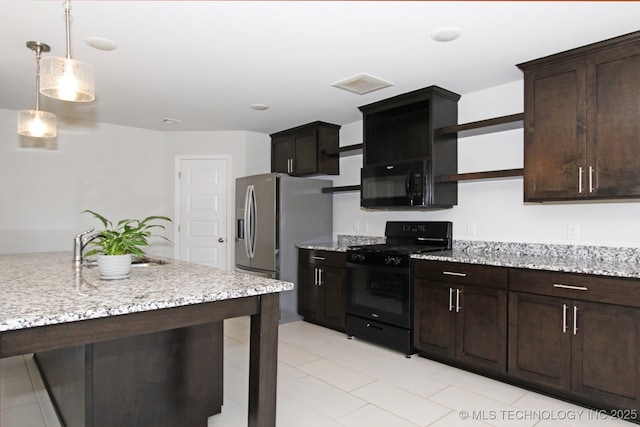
{"x":321,"y":292}
{"x":573,"y":336}
{"x":163,"y":379}
{"x":576,"y":334}
{"x":460,"y":314}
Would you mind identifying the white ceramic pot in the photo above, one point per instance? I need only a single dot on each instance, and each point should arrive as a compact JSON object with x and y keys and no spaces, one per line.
{"x":113,"y":267}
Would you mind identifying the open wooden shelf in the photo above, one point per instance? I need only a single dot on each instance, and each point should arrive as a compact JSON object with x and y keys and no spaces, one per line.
{"x":341,"y":189}
{"x":347,"y":150}
{"x":481,"y":127}
{"x":497,"y":174}
{"x":497,"y":124}
{"x":504,"y":173}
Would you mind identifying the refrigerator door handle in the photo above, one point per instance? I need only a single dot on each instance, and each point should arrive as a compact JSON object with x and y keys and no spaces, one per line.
{"x":246,"y":221}
{"x":250,"y":221}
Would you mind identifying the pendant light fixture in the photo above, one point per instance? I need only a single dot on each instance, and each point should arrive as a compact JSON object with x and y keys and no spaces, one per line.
{"x":65,"y":78}
{"x":36,"y":123}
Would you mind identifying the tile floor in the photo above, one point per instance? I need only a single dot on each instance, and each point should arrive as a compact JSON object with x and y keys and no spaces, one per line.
{"x":326,"y":380}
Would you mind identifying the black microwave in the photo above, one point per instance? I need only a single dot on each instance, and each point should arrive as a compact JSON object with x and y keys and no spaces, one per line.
{"x":396,"y":185}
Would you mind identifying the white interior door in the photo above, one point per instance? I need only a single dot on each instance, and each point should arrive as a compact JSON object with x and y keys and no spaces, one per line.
{"x":203,"y":205}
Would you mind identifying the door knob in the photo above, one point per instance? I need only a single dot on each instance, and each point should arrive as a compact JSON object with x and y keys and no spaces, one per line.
{"x":220,"y":239}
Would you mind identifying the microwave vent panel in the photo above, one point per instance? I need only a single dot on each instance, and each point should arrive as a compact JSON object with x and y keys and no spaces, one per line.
{"x":362,"y":83}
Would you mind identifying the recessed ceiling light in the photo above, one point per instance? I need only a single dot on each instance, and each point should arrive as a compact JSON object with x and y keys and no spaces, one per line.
{"x":446,"y":34}
{"x":259,"y":107}
{"x":101,"y":43}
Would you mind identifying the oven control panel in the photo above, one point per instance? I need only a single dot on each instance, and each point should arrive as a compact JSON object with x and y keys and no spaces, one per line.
{"x":378,"y":259}
{"x":393,"y":260}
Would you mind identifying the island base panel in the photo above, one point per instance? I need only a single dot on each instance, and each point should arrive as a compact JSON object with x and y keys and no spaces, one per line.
{"x":171,"y":378}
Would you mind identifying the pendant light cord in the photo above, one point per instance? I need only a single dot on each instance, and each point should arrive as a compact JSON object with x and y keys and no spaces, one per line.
{"x":38,"y":50}
{"x":67,"y":12}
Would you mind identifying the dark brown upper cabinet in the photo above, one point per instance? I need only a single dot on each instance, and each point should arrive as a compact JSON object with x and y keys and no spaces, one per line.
{"x":303,"y":150}
{"x":402,"y":128}
{"x":582,"y":123}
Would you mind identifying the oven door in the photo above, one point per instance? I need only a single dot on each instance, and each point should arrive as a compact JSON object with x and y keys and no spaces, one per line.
{"x":380,"y":293}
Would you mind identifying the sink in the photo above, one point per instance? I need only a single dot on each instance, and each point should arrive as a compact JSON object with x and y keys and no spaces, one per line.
{"x":147,"y":262}
{"x":135,"y":262}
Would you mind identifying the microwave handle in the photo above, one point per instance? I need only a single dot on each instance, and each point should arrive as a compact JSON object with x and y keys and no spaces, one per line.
{"x":409,"y":185}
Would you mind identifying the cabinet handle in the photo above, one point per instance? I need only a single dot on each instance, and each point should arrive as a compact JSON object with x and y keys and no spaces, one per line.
{"x":319,"y":277}
{"x":320,"y":258}
{"x":458,"y":301}
{"x":575,"y":288}
{"x":580,"y":180}
{"x":315,"y":276}
{"x":575,"y":320}
{"x":450,"y":299}
{"x":453,"y":273}
{"x":564,"y":318}
{"x":591,"y":179}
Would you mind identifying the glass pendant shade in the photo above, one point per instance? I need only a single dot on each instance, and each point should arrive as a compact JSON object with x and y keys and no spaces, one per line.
{"x":67,"y":79}
{"x":37,"y":124}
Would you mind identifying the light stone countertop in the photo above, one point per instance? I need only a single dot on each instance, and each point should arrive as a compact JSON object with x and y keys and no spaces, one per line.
{"x":596,"y":260}
{"x":39,"y":289}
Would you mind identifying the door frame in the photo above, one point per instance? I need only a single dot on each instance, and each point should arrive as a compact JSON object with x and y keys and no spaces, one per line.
{"x":230,"y":200}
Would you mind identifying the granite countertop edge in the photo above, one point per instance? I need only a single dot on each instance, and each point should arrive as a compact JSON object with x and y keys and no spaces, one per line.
{"x":40,"y":289}
{"x":594,"y":260}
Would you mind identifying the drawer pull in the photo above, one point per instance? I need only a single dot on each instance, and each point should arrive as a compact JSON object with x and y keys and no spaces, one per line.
{"x":575,"y":288}
{"x":320,"y":258}
{"x":453,"y":273}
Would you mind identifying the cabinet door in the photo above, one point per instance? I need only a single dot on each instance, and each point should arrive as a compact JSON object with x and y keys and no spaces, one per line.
{"x":482,"y":327}
{"x":310,"y":299}
{"x":333,"y":282}
{"x":281,"y":154}
{"x":606,"y":366}
{"x":305,"y":159}
{"x":540,"y":339}
{"x":434,"y":318}
{"x":555,"y":132}
{"x":614,"y":122}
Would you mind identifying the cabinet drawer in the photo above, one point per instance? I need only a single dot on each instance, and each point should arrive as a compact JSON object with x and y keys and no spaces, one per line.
{"x":464,"y":274}
{"x":611,"y":290}
{"x":319,"y":257}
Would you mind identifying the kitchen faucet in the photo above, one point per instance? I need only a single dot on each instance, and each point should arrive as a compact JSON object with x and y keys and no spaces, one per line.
{"x":79,"y":243}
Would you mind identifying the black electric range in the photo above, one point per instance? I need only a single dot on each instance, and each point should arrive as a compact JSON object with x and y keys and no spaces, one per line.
{"x":379,"y":303}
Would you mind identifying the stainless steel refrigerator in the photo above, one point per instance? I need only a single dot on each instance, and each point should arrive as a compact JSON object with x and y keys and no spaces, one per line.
{"x":274,"y":213}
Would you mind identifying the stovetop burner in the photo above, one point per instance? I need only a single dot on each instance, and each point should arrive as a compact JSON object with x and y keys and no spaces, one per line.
{"x":406,"y":238}
{"x":396,"y":249}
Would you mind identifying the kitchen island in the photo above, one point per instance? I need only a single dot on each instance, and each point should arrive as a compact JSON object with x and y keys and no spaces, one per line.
{"x":46,"y":304}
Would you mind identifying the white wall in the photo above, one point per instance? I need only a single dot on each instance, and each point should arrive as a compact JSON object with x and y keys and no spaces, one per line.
{"x":113,"y":170}
{"x":118,"y":171}
{"x":495,"y":206}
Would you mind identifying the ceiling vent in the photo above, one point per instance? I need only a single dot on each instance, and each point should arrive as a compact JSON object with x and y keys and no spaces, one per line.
{"x":362,"y":83}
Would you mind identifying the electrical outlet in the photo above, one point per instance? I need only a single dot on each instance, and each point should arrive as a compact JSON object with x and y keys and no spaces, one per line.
{"x":471,"y":229}
{"x":573,"y":231}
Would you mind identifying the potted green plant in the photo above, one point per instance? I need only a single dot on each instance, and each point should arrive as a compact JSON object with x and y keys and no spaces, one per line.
{"x":117,"y":243}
